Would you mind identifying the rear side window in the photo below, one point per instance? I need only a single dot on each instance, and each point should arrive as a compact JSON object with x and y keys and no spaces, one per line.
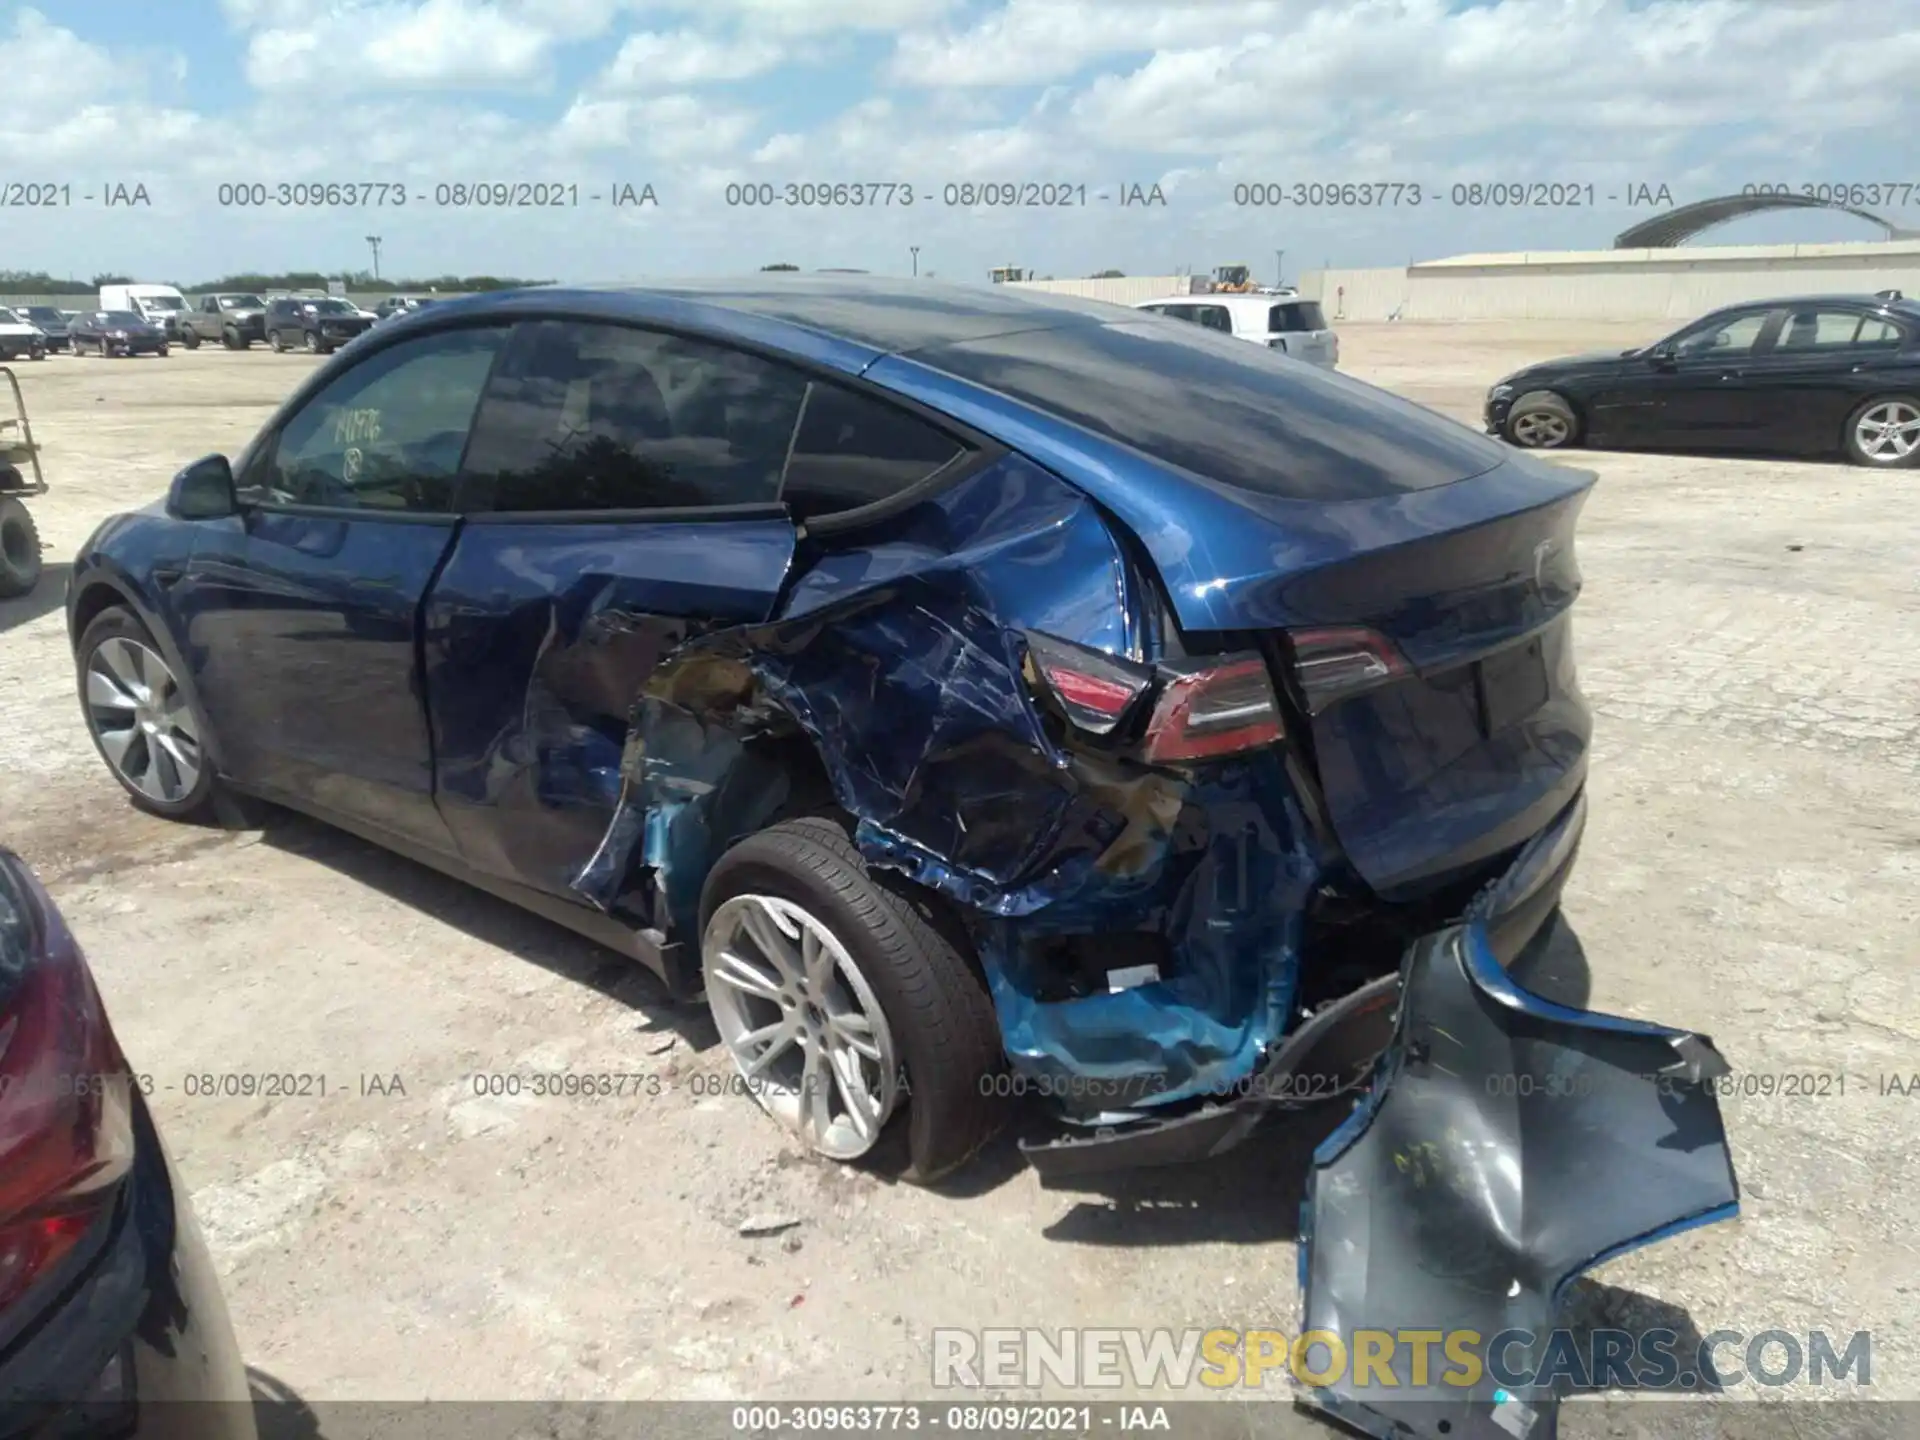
{"x":585,"y":417}
{"x":1296,"y":315}
{"x":1239,"y":415}
{"x":852,"y":450}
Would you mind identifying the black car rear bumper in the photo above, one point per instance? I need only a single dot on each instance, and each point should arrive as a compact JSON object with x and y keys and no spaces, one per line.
{"x":1339,"y":1041}
{"x":138,"y":1343}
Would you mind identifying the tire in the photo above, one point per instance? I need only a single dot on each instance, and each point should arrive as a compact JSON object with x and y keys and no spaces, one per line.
{"x":161,"y":352}
{"x":38,"y":352}
{"x":230,"y":339}
{"x":114,"y":631}
{"x":1542,"y":420}
{"x":914,"y":962}
{"x":279,"y":345}
{"x":106,"y":351}
{"x":312,"y":342}
{"x":1901,"y":411}
{"x":19,"y":549}
{"x":190,"y":338}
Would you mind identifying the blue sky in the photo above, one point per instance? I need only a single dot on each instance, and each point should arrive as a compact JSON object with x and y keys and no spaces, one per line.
{"x":693,"y":96}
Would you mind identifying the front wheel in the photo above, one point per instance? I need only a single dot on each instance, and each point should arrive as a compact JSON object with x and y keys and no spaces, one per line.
{"x":279,"y":344}
{"x":190,"y":338}
{"x":140,"y":718}
{"x":1542,"y":420}
{"x":313,"y":343}
{"x":105,"y":351}
{"x":1884,"y":433}
{"x":845,"y":997}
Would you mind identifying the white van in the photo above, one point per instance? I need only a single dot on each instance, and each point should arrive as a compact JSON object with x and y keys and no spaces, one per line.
{"x":157,"y":304}
{"x":1277,"y":319}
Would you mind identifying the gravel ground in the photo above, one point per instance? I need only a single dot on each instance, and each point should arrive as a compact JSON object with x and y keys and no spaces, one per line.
{"x":1751,"y":870}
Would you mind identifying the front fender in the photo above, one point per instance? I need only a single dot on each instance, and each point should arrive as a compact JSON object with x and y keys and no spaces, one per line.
{"x":126,"y":563}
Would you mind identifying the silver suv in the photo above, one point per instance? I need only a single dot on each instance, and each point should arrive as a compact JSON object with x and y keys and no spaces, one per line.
{"x":1278,"y":319}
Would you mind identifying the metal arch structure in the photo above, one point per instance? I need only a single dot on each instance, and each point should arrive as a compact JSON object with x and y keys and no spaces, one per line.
{"x":1683,"y":222}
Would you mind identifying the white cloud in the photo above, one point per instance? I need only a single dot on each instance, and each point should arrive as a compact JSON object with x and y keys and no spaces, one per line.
{"x":815,"y":17}
{"x":654,"y":61}
{"x":410,"y":44}
{"x":1029,"y":42}
{"x":665,"y":127}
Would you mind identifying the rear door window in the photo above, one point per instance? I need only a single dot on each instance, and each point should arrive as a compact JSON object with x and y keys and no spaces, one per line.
{"x":594,"y":417}
{"x":1239,"y":415}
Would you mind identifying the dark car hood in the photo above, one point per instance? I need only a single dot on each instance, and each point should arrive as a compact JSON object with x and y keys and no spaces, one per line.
{"x":1507,"y":1144}
{"x":1568,"y":364}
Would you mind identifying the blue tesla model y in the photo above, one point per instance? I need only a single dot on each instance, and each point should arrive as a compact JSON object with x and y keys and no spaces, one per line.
{"x":975,"y":694}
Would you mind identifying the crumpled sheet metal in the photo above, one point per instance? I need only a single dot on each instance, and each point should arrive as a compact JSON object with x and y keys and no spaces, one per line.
{"x":900,"y":661}
{"x":1507,"y":1145}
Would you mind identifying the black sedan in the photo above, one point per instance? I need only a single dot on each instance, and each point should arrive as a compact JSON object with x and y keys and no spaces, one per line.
{"x":111,"y":1318}
{"x":115,"y":332}
{"x":1815,"y":376}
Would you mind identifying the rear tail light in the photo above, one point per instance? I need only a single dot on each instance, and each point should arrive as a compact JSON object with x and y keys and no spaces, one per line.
{"x":1336,"y":661}
{"x":66,"y":1120}
{"x":1221,"y":710}
{"x":1093,"y":690}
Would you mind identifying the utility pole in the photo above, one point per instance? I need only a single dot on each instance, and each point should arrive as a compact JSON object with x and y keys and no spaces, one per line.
{"x":374,"y":241}
{"x":916,"y":259}
{"x":1279,"y":268}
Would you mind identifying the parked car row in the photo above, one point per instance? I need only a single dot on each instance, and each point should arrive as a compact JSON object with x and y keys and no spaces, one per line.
{"x":150,"y":319}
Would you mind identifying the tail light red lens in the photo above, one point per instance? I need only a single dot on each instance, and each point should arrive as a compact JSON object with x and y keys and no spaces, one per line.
{"x":66,"y":1118}
{"x":1093,"y":690}
{"x":1336,"y":661}
{"x":1221,"y":710}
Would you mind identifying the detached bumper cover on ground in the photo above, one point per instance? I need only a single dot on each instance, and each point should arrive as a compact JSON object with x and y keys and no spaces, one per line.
{"x":1507,"y":1145}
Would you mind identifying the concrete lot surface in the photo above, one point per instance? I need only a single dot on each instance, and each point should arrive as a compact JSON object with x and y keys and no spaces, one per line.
{"x":1751,"y":870}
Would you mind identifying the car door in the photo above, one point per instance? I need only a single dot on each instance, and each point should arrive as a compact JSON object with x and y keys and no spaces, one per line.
{"x":1822,"y":362}
{"x":1700,"y":392}
{"x":622,"y":491}
{"x":302,"y":612}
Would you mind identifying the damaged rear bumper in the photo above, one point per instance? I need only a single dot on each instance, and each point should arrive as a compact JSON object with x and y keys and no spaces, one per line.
{"x":1506,"y":1145}
{"x":1327,"y":1054}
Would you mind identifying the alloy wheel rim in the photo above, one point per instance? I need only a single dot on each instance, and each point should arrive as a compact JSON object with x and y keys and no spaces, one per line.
{"x":142,"y":721}
{"x":803,"y":1026}
{"x":1539,"y":429}
{"x":1888,"y":432}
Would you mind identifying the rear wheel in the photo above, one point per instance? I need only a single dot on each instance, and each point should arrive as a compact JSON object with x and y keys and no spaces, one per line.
{"x":19,"y":549}
{"x":845,"y":997}
{"x":1884,"y":433}
{"x":142,"y":722}
{"x":1542,"y":420}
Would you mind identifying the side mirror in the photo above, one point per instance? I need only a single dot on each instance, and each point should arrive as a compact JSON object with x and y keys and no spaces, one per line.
{"x":1661,"y":354}
{"x":203,"y":491}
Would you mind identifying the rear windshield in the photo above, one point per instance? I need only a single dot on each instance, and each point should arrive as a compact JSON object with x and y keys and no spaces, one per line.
{"x":1297,"y":315}
{"x":1237,"y":414}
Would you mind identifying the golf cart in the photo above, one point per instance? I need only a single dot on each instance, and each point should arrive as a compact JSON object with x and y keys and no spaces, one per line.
{"x":19,"y":541}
